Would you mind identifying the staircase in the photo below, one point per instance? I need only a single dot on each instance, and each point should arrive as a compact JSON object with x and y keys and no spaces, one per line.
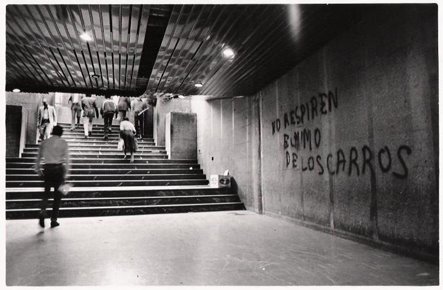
{"x":106,"y":184}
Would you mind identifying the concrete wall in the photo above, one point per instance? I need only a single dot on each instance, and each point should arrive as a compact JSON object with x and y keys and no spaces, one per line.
{"x":347,"y":140}
{"x":13,"y":130}
{"x":30,"y":103}
{"x":63,"y":107}
{"x":181,"y":135}
{"x":225,"y":130}
{"x":160,"y":112}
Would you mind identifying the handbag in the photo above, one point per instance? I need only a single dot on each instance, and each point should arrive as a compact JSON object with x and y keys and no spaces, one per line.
{"x":65,"y":188}
{"x":120,"y":144}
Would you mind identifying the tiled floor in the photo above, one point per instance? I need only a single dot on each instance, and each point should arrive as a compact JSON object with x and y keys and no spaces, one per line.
{"x":217,"y":248}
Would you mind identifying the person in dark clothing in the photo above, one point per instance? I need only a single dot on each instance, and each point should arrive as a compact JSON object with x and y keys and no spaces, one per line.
{"x":55,"y":153}
{"x":124,"y":104}
{"x":139,"y":107}
{"x":108,"y":110}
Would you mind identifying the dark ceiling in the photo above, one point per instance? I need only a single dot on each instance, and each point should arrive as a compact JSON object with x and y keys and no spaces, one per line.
{"x":164,"y":48}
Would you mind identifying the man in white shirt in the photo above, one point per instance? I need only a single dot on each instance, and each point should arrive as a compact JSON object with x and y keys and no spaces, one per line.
{"x":55,"y":152}
{"x":46,"y":119}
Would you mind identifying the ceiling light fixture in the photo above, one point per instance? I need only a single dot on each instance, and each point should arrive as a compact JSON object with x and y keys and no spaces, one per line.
{"x":228,"y":52}
{"x":16,"y":90}
{"x":198,"y":85}
{"x":85,"y":36}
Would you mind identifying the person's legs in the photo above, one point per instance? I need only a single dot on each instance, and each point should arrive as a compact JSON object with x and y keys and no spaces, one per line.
{"x":105,"y":126}
{"x":107,"y":123}
{"x":86,"y":125}
{"x":124,"y":136}
{"x":47,"y":178}
{"x":132,"y":151}
{"x":55,"y":208}
{"x":48,"y":130}
{"x":59,"y":178}
{"x":77,"y":113}
{"x":73,"y":113}
{"x":131,"y":145}
{"x":121,"y":115}
{"x":42,"y":131}
{"x":137,"y":123}
{"x":90,"y":125}
{"x":43,"y":205}
{"x":141,"y":119}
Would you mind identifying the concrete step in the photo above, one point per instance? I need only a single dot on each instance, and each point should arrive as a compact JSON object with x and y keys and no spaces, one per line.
{"x":80,"y":126}
{"x":152,"y":164}
{"x":122,"y":191}
{"x":100,"y":136}
{"x":104,"y":155}
{"x":93,"y":147}
{"x":82,"y":152}
{"x":112,"y":147}
{"x":95,"y":127}
{"x":126,"y":210}
{"x":94,"y":183}
{"x":106,"y":177}
{"x":100,"y":140}
{"x":74,"y":171}
{"x":116,"y":160}
{"x":95,"y":130}
{"x":124,"y":201}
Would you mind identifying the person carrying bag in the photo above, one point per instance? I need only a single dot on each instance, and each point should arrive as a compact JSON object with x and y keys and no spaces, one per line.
{"x":127,"y":133}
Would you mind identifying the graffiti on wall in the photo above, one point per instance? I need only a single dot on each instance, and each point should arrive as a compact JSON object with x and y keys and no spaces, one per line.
{"x":300,"y":145}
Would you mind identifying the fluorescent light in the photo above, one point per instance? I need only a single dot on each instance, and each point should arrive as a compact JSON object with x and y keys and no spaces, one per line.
{"x":198,"y":85}
{"x":16,"y":90}
{"x":228,"y":53}
{"x":85,"y":36}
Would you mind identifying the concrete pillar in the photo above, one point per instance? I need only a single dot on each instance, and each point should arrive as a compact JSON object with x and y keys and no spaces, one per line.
{"x":181,"y":135}
{"x":23,"y":131}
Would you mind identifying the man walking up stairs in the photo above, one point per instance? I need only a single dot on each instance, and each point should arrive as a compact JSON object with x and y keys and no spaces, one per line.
{"x":56,"y":155}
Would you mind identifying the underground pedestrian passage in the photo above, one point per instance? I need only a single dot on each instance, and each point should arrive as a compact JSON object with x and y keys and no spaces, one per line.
{"x":275,"y":144}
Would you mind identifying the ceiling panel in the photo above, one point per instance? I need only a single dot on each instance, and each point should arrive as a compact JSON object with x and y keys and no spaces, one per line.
{"x":45,"y":41}
{"x":164,"y":48}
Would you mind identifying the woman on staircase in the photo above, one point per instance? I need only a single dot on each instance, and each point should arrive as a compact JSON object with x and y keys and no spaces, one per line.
{"x":127,"y":133}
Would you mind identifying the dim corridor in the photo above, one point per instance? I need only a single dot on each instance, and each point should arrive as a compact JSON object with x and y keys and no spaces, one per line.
{"x":237,"y":248}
